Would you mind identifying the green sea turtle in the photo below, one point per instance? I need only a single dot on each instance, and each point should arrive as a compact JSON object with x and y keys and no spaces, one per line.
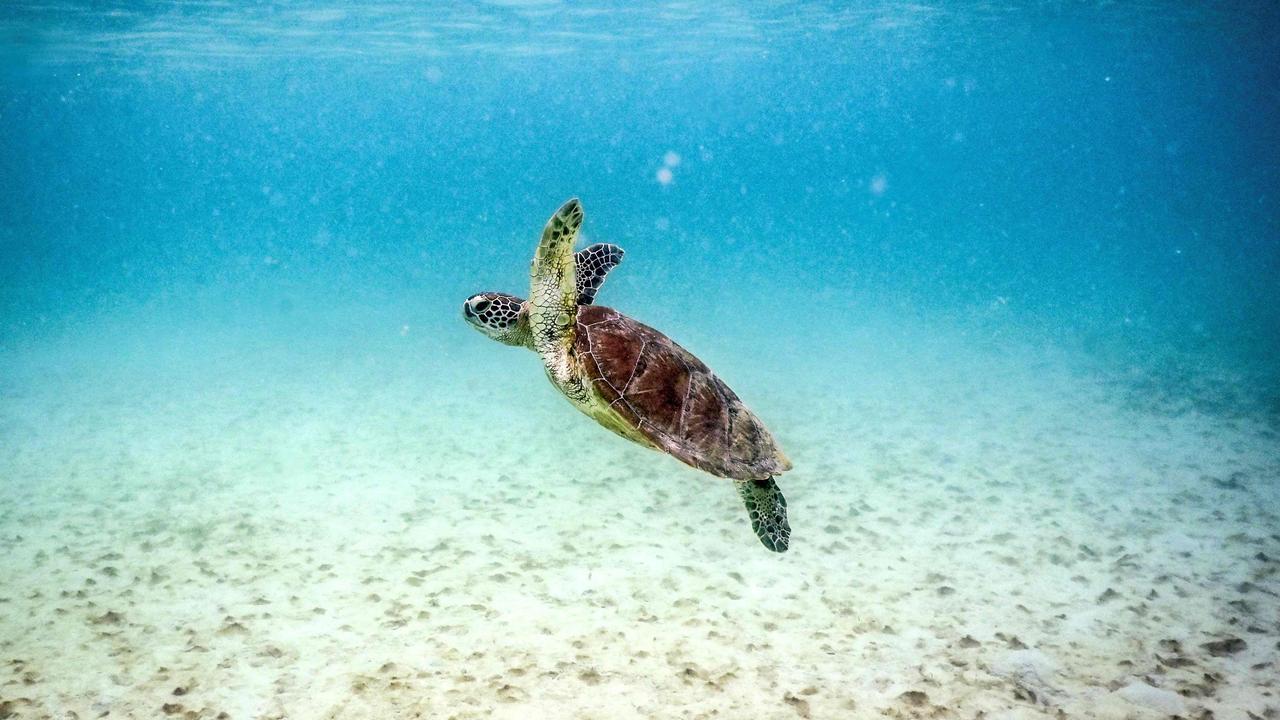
{"x":631,"y":378}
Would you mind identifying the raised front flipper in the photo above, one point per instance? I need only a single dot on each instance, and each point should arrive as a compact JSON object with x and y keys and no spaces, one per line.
{"x":553,"y":292}
{"x":593,"y":264}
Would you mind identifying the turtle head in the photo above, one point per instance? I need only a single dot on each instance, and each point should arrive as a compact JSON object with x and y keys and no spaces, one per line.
{"x":500,"y":316}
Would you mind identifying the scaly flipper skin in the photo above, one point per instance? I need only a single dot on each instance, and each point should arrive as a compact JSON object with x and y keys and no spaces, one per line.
{"x":593,"y":264}
{"x":553,"y":297}
{"x":767,"y":509}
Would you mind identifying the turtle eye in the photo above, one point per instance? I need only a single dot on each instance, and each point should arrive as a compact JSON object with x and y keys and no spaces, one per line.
{"x":480,"y":306}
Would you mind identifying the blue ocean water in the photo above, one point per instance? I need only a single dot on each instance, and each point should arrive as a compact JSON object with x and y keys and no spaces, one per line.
{"x":257,"y":218}
{"x":1103,"y":173}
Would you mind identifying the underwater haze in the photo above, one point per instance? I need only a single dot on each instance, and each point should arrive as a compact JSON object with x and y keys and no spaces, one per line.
{"x":1000,"y":278}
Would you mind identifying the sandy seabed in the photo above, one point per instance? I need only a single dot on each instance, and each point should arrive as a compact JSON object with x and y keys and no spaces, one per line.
{"x":977,"y":534}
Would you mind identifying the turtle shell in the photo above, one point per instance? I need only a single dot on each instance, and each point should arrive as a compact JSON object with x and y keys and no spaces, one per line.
{"x":672,"y":398}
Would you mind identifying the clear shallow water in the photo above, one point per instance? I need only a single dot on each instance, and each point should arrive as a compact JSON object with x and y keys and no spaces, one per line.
{"x":961,"y":257}
{"x":1102,"y":174}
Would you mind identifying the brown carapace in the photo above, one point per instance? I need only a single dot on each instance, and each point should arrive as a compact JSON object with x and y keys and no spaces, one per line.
{"x":680,"y":407}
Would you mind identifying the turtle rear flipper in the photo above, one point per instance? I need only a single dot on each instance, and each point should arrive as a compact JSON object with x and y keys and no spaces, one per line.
{"x":768,"y":511}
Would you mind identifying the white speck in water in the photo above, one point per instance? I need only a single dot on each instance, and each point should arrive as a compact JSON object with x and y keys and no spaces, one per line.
{"x":879,"y":183}
{"x":671,"y":159}
{"x":665,"y":176}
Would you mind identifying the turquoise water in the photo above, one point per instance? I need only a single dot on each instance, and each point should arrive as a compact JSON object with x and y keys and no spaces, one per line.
{"x":1103,"y":173}
{"x":986,"y":271}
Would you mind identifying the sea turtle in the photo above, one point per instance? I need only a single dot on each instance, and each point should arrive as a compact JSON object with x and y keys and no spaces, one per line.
{"x":631,"y":378}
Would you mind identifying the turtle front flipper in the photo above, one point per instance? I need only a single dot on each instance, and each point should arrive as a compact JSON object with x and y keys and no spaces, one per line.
{"x":553,"y":296}
{"x":768,"y":510}
{"x":593,"y":264}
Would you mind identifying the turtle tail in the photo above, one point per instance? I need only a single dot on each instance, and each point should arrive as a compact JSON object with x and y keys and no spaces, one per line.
{"x":768,"y":511}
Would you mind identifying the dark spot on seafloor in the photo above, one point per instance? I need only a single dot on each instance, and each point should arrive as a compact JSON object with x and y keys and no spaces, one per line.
{"x":1234,"y":481}
{"x":914,"y":698}
{"x":110,"y":617}
{"x":800,"y":705}
{"x":230,"y":627}
{"x":1224,"y":647}
{"x":1176,"y":661}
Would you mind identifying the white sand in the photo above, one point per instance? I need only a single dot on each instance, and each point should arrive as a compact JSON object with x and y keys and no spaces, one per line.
{"x":239,"y":529}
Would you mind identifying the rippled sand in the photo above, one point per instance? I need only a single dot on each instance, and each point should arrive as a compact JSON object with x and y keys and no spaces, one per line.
{"x":399,"y":531}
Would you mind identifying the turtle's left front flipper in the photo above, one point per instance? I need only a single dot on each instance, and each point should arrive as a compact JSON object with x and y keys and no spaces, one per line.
{"x":768,"y":511}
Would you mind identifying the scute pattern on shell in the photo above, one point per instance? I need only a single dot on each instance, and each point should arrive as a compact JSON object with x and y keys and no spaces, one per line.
{"x":672,"y":398}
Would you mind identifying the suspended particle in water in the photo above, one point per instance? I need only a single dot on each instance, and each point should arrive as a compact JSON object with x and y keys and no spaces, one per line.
{"x":671,"y":159}
{"x":879,"y":183}
{"x":665,"y":176}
